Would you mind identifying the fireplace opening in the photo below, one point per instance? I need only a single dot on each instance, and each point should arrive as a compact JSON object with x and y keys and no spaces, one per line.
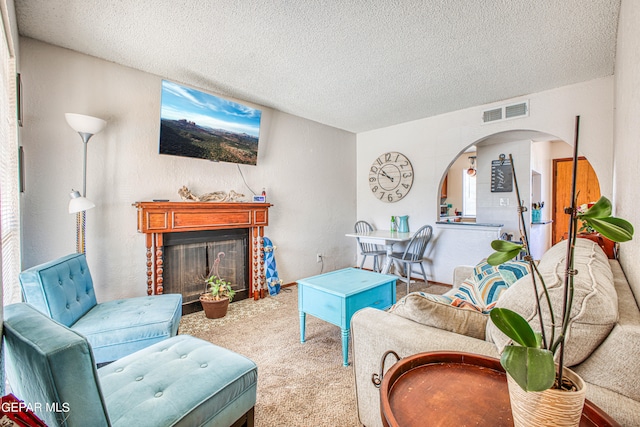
{"x":189,"y":258}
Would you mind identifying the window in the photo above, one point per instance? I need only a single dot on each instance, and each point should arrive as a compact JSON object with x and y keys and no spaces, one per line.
{"x":468,"y":194}
{"x":9,"y":192}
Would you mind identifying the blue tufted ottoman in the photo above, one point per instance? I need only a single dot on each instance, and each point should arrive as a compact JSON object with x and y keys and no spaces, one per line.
{"x":181,"y":381}
{"x":181,"y":376}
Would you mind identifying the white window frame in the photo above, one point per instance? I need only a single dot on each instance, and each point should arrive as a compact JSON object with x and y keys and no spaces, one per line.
{"x":10,"y":250}
{"x":468,"y":194}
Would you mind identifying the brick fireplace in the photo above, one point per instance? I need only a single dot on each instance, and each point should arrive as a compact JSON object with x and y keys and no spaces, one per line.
{"x":202,"y":230}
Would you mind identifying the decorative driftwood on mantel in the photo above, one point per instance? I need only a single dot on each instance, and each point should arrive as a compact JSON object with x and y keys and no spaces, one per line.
{"x":157,"y":218}
{"x":216,"y":196}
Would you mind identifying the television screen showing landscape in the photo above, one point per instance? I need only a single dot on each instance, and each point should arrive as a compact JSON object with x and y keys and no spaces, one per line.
{"x":204,"y":126}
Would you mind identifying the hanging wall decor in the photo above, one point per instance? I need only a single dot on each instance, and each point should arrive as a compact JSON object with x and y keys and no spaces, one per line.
{"x":501,"y":176}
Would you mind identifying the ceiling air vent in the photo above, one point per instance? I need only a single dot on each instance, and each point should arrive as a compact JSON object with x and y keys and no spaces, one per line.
{"x":506,"y":112}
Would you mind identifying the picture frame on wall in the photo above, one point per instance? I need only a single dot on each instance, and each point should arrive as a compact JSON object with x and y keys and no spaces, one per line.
{"x":19,"y":98}
{"x":21,"y":169}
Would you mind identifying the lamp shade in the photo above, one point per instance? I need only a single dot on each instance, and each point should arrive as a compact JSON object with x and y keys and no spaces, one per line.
{"x":79,"y":203}
{"x":472,"y":166}
{"x":85,"y":124}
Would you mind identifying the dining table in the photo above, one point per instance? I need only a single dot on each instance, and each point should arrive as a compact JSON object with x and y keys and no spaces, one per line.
{"x":387,"y":238}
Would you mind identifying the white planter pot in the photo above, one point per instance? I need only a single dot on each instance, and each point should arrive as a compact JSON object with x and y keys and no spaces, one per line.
{"x":551,"y":407}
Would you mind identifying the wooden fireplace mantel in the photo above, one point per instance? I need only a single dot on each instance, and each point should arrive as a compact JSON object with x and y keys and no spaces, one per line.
{"x":157,"y":218}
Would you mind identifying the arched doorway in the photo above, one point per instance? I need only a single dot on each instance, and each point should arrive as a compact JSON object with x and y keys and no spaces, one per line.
{"x":535,"y":154}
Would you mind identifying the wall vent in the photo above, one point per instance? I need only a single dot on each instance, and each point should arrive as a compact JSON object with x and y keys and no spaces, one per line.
{"x":506,"y":112}
{"x":492,"y":115}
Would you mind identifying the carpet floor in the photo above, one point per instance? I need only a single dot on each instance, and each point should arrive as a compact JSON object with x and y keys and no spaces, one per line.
{"x":298,"y":384}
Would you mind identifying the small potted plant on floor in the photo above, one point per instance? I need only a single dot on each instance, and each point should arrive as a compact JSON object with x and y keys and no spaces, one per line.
{"x":216,"y":298}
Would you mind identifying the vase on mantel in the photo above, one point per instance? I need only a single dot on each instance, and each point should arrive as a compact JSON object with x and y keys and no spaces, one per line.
{"x":551,"y":407}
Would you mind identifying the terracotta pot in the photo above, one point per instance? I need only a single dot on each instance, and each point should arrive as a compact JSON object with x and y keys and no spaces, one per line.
{"x":214,"y":309}
{"x":551,"y":407}
{"x":609,"y":247}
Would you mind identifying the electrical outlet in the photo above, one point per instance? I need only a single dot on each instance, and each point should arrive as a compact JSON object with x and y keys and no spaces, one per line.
{"x":318,"y":257}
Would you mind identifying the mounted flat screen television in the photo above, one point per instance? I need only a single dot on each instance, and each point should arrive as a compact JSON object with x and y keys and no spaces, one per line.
{"x":204,"y":126}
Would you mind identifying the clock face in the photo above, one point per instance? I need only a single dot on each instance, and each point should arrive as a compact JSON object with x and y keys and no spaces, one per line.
{"x":391,"y":177}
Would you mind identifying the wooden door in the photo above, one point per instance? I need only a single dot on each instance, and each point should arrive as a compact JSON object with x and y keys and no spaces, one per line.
{"x":587,"y":190}
{"x":445,"y":187}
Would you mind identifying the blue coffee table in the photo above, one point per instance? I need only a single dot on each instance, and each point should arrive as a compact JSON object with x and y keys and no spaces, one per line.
{"x":334,"y":297}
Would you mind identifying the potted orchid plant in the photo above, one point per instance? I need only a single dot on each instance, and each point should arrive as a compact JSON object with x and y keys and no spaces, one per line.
{"x":530,"y":361}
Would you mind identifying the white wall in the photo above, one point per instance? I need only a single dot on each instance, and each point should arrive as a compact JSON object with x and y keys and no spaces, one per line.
{"x":307,"y":169}
{"x":431,"y":144}
{"x":501,"y":207}
{"x":542,"y":163}
{"x":627,"y":134}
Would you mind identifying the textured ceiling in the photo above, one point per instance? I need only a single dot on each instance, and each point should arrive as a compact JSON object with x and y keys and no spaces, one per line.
{"x":353,"y":64}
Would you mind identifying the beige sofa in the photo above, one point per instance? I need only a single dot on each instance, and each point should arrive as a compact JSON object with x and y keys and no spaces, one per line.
{"x":603,"y":341}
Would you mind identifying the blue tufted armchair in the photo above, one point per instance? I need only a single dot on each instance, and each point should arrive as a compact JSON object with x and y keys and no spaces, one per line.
{"x":63,"y":290}
{"x":179,"y":382}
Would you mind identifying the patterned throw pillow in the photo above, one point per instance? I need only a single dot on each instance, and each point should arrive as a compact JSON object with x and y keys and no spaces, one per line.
{"x":460,"y":300}
{"x":497,"y":280}
{"x":481,"y":291}
{"x":463,"y":310}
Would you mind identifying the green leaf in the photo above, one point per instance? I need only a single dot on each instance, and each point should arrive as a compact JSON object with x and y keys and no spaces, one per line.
{"x":515,"y":327}
{"x":601,"y":209}
{"x":532,"y":368}
{"x":539,"y":340}
{"x":505,"y":246}
{"x":506,"y":251}
{"x":498,"y":258}
{"x":616,"y":229}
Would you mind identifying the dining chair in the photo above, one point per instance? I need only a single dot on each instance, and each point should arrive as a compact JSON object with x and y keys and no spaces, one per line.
{"x":414,"y":252}
{"x":369,"y":249}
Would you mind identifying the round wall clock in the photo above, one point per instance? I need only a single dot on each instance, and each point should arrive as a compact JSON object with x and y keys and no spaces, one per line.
{"x":391,"y":177}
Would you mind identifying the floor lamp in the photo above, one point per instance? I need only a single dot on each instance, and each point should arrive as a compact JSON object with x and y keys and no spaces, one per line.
{"x":86,"y":126}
